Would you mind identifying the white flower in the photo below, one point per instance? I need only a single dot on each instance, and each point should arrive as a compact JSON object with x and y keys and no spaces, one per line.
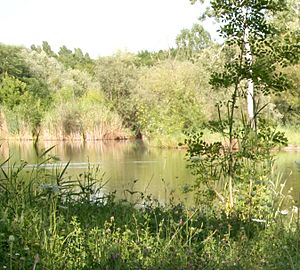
{"x":284,"y":212}
{"x":259,"y":220}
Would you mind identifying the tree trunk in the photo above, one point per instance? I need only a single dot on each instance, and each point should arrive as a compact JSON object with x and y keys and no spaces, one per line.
{"x":248,"y":58}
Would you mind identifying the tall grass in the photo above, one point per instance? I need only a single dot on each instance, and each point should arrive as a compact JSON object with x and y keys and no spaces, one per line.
{"x":79,"y":122}
{"x":51,"y":221}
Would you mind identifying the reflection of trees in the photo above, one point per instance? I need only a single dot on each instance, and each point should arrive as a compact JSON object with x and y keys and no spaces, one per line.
{"x":137,"y":151}
{"x":289,"y":172}
{"x":4,"y":150}
{"x":17,"y":151}
{"x":122,"y":162}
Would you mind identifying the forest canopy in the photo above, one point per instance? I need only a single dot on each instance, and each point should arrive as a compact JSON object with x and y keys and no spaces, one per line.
{"x":164,"y":94}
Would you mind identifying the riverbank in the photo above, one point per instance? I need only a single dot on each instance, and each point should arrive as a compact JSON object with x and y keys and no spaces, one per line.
{"x":64,"y":224}
{"x":175,"y":140}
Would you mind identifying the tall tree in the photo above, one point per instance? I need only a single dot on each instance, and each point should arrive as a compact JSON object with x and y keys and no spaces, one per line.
{"x":11,"y":63}
{"x":259,"y":54}
{"x":47,"y":49}
{"x":191,"y":41}
{"x":76,"y":59}
{"x":247,"y":26}
{"x":118,"y":77}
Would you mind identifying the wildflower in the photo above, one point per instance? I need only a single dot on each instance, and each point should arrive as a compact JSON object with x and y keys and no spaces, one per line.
{"x":259,"y":220}
{"x":284,"y":212}
{"x":112,"y":219}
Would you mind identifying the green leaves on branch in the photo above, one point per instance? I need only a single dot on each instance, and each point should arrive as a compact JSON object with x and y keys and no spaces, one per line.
{"x":190,"y":42}
{"x":256,"y":54}
{"x":12,"y":92}
{"x":170,"y":98}
{"x":17,"y":99}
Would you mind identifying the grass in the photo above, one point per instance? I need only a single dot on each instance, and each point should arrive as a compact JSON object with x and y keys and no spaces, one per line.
{"x":77,"y":121}
{"x":49,"y":221}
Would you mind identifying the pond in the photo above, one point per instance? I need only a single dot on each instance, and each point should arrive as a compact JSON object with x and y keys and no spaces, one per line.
{"x":132,"y":166}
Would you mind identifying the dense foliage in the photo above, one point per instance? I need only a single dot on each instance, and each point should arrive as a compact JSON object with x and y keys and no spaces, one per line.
{"x":241,"y":217}
{"x":158,"y":95}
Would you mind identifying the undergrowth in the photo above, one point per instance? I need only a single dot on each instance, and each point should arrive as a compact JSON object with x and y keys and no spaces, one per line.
{"x":51,"y":221}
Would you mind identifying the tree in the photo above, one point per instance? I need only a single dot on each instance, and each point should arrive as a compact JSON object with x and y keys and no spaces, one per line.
{"x":76,"y":60}
{"x":170,"y":98}
{"x":191,"y":41}
{"x":11,"y":63}
{"x":246,"y":25}
{"x":288,"y":22}
{"x":254,"y":69}
{"x":146,"y":58}
{"x":12,"y":92}
{"x":118,"y":77}
{"x":22,"y":105}
{"x":290,"y":19}
{"x":47,"y":49}
{"x":65,"y":56}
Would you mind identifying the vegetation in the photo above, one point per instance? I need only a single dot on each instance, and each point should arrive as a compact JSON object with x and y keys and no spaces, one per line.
{"x":240,"y":218}
{"x":51,"y":221}
{"x":160,"y":95}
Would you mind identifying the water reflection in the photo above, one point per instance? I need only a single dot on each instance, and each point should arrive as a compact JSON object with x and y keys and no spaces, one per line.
{"x":127,"y":165}
{"x":290,"y":172}
{"x":133,"y":166}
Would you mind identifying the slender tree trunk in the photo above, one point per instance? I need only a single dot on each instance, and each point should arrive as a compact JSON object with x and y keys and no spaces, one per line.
{"x":248,"y":58}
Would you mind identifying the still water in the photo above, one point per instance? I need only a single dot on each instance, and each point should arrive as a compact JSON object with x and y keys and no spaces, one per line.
{"x":135,"y":167}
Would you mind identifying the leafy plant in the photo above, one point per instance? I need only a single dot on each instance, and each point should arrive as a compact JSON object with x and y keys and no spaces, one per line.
{"x":234,"y":166}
